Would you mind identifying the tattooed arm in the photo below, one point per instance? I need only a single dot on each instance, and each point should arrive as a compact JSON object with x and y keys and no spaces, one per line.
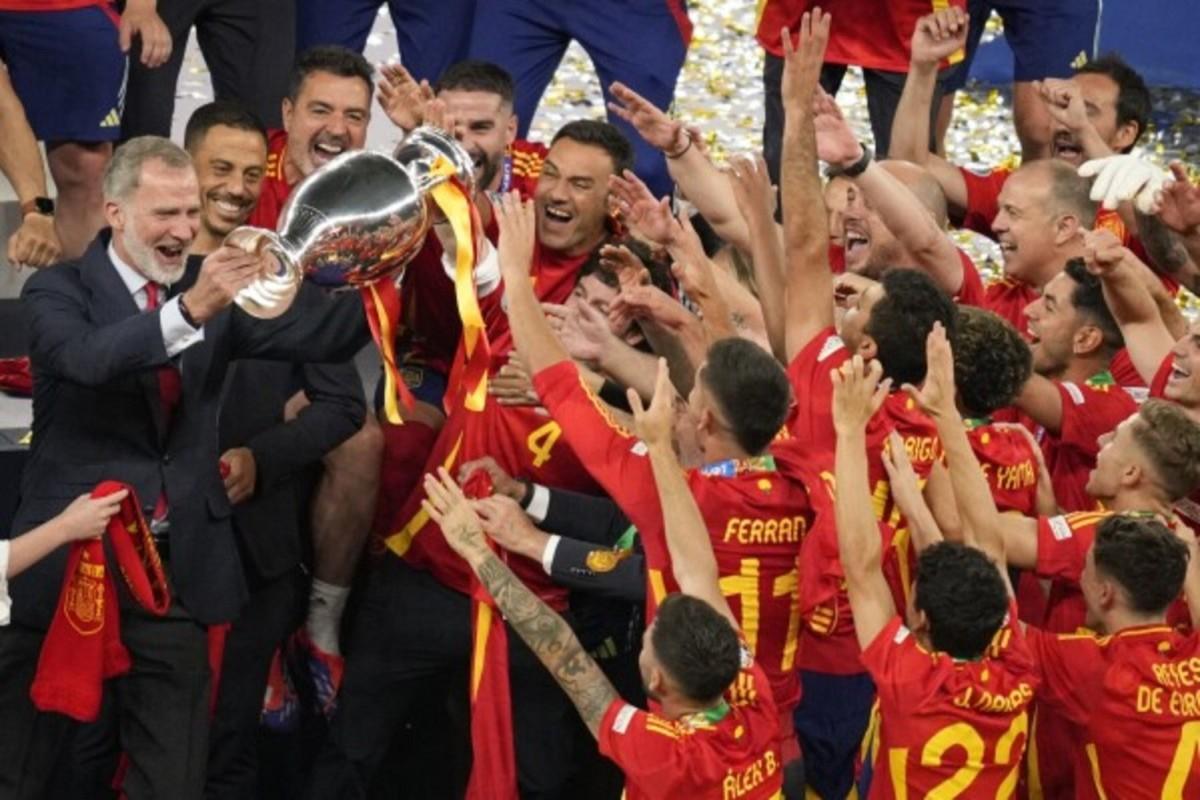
{"x":544,"y":631}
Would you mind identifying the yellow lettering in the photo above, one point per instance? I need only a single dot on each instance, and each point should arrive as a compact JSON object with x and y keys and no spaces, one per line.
{"x":1149,"y":698}
{"x":542,"y":441}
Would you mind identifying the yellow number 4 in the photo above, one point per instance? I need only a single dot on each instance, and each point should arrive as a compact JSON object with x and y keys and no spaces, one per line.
{"x":541,"y":442}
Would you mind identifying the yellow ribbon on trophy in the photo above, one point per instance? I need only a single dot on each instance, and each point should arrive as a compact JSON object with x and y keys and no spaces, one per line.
{"x":382,"y":301}
{"x":454,"y":201}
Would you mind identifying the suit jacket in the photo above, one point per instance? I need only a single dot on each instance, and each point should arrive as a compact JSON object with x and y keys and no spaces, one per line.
{"x":97,"y":415}
{"x":270,"y":522}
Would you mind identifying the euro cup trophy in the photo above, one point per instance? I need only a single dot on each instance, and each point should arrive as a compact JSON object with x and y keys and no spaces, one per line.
{"x":357,"y":222}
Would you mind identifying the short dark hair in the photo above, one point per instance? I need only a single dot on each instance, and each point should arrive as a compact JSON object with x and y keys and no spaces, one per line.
{"x":600,"y":134}
{"x":334,"y":59}
{"x":991,"y":361}
{"x":1088,"y":299}
{"x":220,"y":112}
{"x":750,"y":388}
{"x":1171,"y":440}
{"x":660,"y":271}
{"x":962,"y":593}
{"x":1145,"y":557}
{"x":696,"y":646}
{"x":902,"y":319}
{"x":477,"y":76}
{"x":1133,"y":97}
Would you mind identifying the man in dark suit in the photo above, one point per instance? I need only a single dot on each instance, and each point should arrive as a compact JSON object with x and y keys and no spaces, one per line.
{"x":130,"y":346}
{"x":270,"y":457}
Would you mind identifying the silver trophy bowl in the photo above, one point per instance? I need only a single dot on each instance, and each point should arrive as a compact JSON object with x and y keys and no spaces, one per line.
{"x":356,"y":220}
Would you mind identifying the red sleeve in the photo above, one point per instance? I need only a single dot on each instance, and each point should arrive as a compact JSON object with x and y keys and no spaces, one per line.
{"x":837,"y":259}
{"x":896,"y":663}
{"x":1088,"y":414}
{"x":1062,"y":548}
{"x":1064,"y":663}
{"x":812,"y":390}
{"x":983,"y":199}
{"x":1158,"y":386}
{"x":1124,"y":372}
{"x":615,"y":458}
{"x":645,"y":746}
{"x":971,"y":292}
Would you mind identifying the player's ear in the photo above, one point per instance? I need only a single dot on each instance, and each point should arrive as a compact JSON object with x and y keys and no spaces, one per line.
{"x":114,"y":215}
{"x":867,"y":347}
{"x":1066,"y":229}
{"x":1086,"y":340}
{"x":286,"y":108}
{"x":1132,"y":475}
{"x":510,"y":129}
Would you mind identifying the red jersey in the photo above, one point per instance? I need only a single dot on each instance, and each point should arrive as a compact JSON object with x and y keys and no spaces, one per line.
{"x":275,"y":188}
{"x":1136,"y":696}
{"x":831,"y":645}
{"x":948,"y":727}
{"x":1062,"y":546}
{"x":1008,"y":298}
{"x":757,"y":511}
{"x":1089,"y":411}
{"x":868,"y":33}
{"x":1008,"y":463}
{"x":1127,"y":376}
{"x":525,"y":442}
{"x":723,"y":753}
{"x":970,"y":292}
{"x":983,"y":204}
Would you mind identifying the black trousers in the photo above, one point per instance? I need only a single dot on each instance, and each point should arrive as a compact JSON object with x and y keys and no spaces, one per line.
{"x":883,"y":95}
{"x":274,"y":610}
{"x":408,"y":633}
{"x":162,"y":711}
{"x":248,"y":45}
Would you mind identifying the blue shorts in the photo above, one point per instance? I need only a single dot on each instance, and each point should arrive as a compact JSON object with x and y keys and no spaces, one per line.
{"x":1046,"y":38}
{"x":425,"y":384}
{"x":831,"y":721}
{"x":68,"y":71}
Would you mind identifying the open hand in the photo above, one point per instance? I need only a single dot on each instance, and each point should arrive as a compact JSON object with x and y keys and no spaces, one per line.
{"x":1177,"y":203}
{"x":752,"y":189}
{"x":651,"y":122}
{"x":803,"y":59}
{"x":857,"y":393}
{"x":518,"y":234}
{"x":654,"y":425}
{"x":836,"y":142}
{"x":446,"y":505}
{"x":402,"y":98}
{"x":936,"y":395}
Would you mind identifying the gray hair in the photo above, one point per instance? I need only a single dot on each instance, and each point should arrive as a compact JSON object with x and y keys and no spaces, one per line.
{"x":124,"y":171}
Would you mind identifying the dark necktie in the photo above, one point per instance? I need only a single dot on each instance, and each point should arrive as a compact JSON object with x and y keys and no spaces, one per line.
{"x":170,"y":387}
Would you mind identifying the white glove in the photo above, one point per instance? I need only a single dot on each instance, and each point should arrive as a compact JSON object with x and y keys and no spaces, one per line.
{"x":1124,"y":177}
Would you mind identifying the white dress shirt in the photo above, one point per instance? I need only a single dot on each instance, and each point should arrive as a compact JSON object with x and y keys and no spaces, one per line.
{"x":177,"y":334}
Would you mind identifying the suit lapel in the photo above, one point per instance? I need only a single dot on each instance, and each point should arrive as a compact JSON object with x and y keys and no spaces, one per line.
{"x":111,"y":302}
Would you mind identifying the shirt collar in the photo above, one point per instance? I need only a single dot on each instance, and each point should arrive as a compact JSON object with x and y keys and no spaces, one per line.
{"x":134,"y":281}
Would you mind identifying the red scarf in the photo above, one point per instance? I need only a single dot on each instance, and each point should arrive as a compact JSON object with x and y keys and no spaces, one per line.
{"x":83,"y":646}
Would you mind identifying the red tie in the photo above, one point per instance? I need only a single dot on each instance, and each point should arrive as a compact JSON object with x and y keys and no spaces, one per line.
{"x":170,"y":387}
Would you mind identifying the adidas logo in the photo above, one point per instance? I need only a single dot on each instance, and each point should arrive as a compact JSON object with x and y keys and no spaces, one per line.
{"x":1080,"y":61}
{"x":112,"y":119}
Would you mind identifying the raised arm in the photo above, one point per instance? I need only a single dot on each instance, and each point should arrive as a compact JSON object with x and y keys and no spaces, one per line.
{"x":756,"y":201}
{"x":935,"y":37}
{"x":531,"y":332}
{"x":809,"y":287}
{"x":698,"y":179}
{"x":857,"y":395}
{"x":1146,"y":335}
{"x":545,"y":632}
{"x":692,"y":558}
{"x":1000,"y":536}
{"x":901,"y":211}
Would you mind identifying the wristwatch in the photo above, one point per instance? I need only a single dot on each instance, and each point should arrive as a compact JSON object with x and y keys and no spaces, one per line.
{"x":38,"y":205}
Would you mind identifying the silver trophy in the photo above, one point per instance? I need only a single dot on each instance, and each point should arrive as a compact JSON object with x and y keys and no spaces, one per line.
{"x":356,"y":220}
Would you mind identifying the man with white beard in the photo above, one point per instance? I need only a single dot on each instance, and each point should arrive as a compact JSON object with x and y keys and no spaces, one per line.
{"x":130,"y":349}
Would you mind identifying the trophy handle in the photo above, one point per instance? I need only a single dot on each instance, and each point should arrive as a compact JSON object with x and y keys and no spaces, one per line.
{"x":272,"y":292}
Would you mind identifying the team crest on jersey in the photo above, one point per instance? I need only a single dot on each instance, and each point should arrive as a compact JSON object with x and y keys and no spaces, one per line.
{"x":831,"y":346}
{"x":1060,"y":528}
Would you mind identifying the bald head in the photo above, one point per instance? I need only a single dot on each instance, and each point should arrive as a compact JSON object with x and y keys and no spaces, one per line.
{"x":918,"y":181}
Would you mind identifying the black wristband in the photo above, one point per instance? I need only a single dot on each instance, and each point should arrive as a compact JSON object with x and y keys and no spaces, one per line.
{"x":187,"y":315}
{"x":686,"y":147}
{"x":527,"y":498}
{"x":858,"y":167}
